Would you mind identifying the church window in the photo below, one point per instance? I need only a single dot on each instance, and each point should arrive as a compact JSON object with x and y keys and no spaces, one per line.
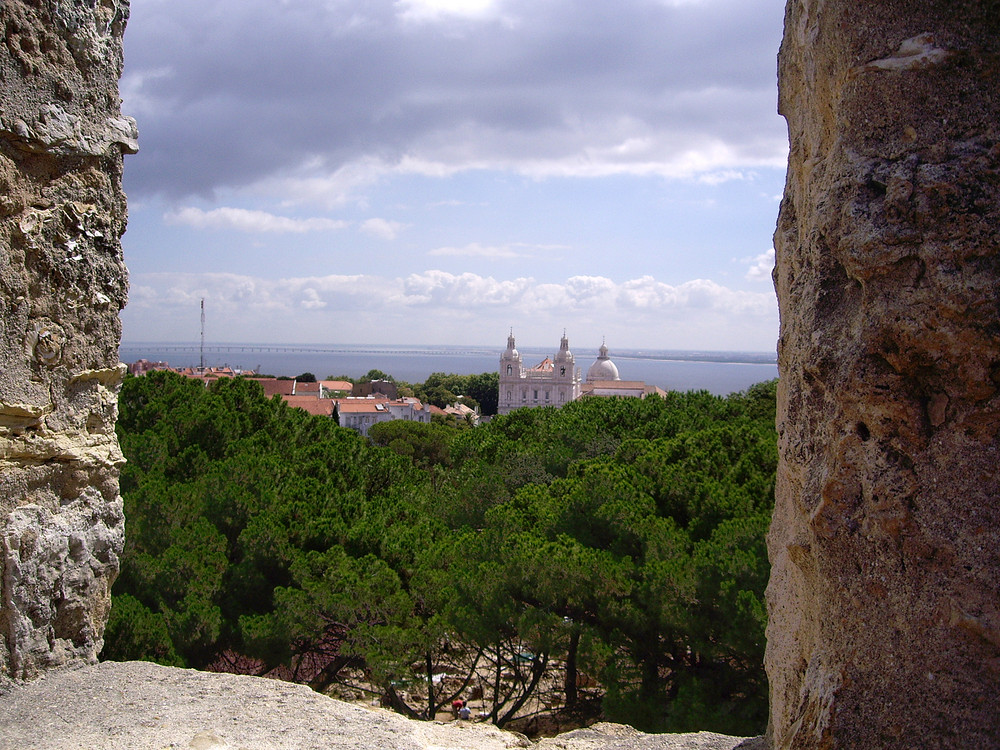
{"x":509,"y":370}
{"x":562,"y":370}
{"x":536,"y":395}
{"x":546,"y":395}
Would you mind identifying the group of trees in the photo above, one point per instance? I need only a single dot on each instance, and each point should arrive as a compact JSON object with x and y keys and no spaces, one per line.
{"x":613,"y":548}
{"x":477,"y":391}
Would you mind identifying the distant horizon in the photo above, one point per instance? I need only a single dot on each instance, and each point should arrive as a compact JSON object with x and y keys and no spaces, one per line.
{"x":720,"y":373}
{"x":582,"y":352}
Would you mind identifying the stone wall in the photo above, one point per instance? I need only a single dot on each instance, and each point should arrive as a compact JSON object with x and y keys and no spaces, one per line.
{"x":62,"y":285}
{"x":884,"y":613}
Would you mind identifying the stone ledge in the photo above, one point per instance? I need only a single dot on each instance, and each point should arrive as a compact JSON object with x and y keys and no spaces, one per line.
{"x":114,"y":706}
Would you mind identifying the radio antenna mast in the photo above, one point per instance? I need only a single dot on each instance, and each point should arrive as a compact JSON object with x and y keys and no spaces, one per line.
{"x":202,"y":362}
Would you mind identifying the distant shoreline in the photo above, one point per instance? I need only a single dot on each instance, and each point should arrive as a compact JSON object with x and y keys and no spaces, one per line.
{"x":717,"y":372}
{"x":660,"y":355}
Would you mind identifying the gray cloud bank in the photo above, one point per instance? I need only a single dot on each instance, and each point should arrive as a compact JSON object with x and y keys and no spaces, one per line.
{"x":295,"y":93}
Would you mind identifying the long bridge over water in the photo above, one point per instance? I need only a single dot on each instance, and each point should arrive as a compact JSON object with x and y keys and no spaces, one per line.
{"x":293,"y":349}
{"x":681,"y":356}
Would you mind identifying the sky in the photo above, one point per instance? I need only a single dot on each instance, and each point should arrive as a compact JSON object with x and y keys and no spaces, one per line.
{"x":441,"y":172}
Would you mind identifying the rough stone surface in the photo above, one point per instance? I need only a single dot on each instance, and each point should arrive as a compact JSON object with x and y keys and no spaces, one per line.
{"x":885,"y":546}
{"x":124,"y":706}
{"x":606,"y":736}
{"x":62,"y":284}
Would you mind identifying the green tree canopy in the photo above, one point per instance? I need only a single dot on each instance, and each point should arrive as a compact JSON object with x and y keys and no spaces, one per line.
{"x":617,"y":540}
{"x":375,"y":374}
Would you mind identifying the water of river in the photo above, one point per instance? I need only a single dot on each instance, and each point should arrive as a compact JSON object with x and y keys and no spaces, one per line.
{"x":718,"y":373}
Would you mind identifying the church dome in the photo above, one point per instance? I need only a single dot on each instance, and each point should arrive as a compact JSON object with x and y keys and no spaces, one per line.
{"x":603,"y":368}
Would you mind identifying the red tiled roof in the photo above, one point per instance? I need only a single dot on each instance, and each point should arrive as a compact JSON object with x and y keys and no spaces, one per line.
{"x":361,"y":405}
{"x":407,"y":401}
{"x":275,"y":387}
{"x":320,"y":407}
{"x":545,"y":365}
{"x":337,"y":385}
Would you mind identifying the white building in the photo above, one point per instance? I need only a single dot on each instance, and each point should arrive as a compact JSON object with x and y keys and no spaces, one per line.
{"x":552,"y":382}
{"x":361,"y":413}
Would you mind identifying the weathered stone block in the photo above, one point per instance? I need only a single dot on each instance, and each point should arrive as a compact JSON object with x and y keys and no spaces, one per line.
{"x":885,"y":547}
{"x":62,"y":285}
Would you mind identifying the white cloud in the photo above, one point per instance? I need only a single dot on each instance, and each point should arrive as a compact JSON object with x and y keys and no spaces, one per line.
{"x":711,"y":163}
{"x":465,"y":308}
{"x":382,"y":228}
{"x":475,"y":250}
{"x":313,"y":183}
{"x":429,"y":10}
{"x":576,"y":295}
{"x":496,"y":252}
{"x":761,"y":266}
{"x":134,"y":85}
{"x":584,"y":289}
{"x":311,"y":300}
{"x":467,"y":290}
{"x":721,"y":176}
{"x":454,"y":203}
{"x":245,"y":220}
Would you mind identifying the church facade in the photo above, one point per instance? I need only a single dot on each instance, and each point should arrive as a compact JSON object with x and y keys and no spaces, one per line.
{"x":557,"y":380}
{"x":552,"y":382}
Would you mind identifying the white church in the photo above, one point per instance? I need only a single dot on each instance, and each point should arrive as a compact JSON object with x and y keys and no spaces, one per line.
{"x":557,"y":380}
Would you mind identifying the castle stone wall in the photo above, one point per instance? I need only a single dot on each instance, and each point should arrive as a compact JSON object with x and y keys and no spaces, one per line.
{"x":884,"y":623}
{"x":62,"y":285}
